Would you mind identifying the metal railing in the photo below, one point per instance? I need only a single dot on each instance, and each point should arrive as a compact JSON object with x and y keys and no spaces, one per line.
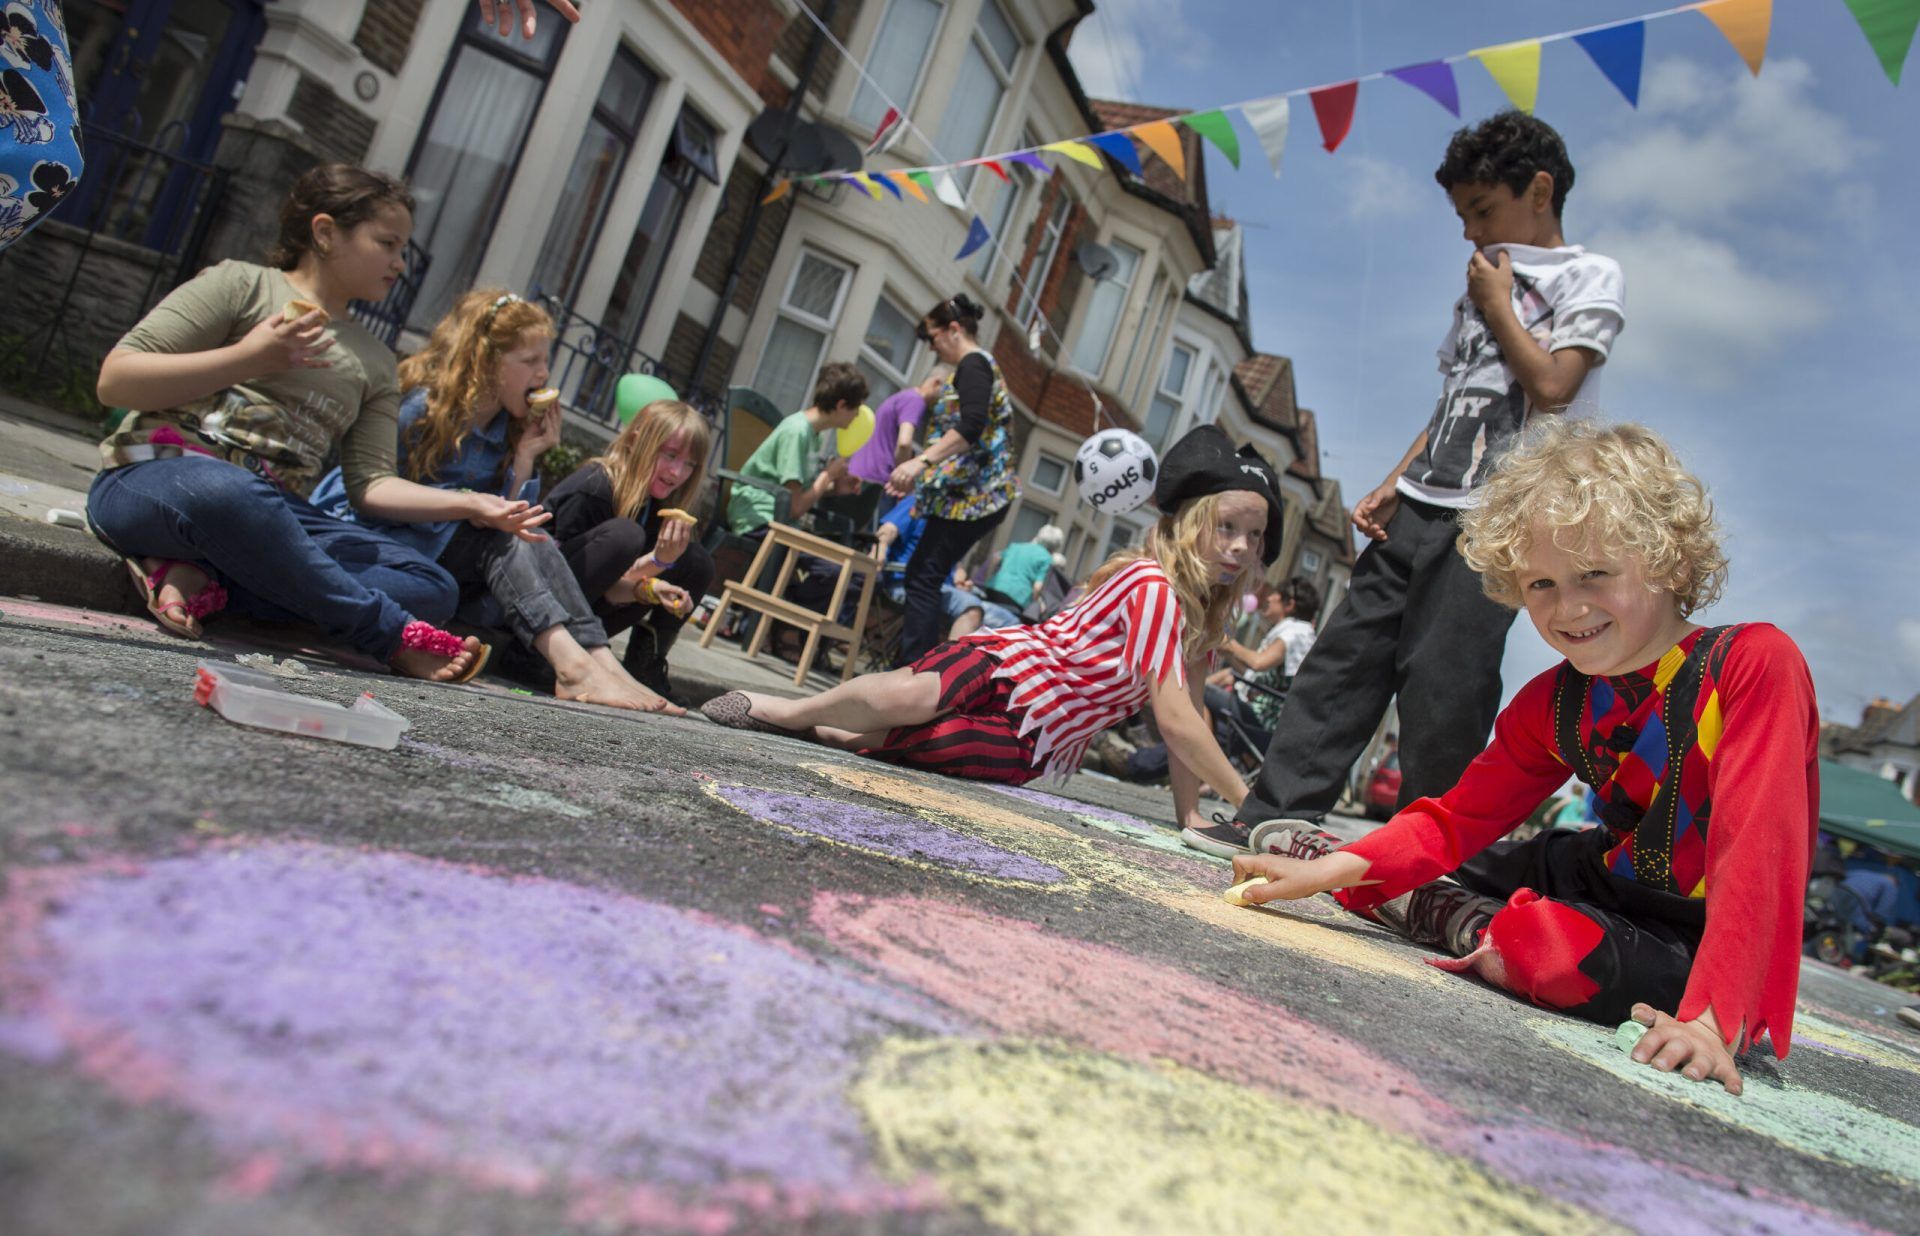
{"x":385,"y":319}
{"x":588,"y":361}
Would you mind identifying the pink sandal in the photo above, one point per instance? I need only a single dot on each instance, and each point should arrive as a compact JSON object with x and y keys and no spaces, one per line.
{"x":178,"y":617}
{"x":425,"y":637}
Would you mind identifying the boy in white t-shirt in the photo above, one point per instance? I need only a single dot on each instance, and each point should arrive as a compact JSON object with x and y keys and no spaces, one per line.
{"x":1536,"y":322}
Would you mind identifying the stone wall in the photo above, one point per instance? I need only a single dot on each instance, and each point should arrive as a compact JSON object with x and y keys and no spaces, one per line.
{"x":50,"y":348}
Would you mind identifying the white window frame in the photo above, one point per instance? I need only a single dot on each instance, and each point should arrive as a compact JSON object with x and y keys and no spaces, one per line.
{"x":1142,"y":344}
{"x":786,"y":309}
{"x":912,"y":100}
{"x":1142,"y":391}
{"x":1310,"y":562}
{"x":1119,"y":313}
{"x":1054,"y":227}
{"x":873,"y":358}
{"x":1066,"y":473}
{"x":1179,"y":399}
{"x":1005,"y":72}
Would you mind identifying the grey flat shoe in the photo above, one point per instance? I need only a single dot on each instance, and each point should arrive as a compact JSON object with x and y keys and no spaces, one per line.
{"x":731,"y":710}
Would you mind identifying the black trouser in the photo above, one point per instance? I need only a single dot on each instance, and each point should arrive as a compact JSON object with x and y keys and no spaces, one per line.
{"x":1414,"y":624}
{"x":943,"y":543}
{"x":1647,"y":939}
{"x":603,"y":553}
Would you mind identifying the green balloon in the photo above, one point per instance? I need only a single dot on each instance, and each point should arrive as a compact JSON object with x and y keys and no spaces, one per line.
{"x":636,"y":391}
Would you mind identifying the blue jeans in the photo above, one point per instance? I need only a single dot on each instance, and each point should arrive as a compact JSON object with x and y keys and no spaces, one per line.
{"x":279,"y":556}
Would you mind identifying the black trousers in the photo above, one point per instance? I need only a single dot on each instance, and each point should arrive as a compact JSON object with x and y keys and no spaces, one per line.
{"x":942,"y":545}
{"x":1647,"y":940}
{"x":1416,"y":625}
{"x":602,"y":554}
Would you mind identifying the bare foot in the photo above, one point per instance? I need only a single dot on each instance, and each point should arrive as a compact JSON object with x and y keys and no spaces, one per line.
{"x":596,"y":685}
{"x":419,"y":663}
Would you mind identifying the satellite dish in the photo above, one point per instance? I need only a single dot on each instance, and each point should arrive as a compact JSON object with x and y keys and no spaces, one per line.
{"x":790,"y":144}
{"x":1096,"y":259}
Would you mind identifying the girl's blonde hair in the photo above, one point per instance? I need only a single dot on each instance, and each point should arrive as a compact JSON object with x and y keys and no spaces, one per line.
{"x":1601,"y":490}
{"x":631,"y":458}
{"x":1175,"y":542}
{"x":459,"y":367}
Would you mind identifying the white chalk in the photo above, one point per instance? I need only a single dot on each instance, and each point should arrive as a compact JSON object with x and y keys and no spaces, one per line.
{"x":1237,"y":895}
{"x":61,"y":517}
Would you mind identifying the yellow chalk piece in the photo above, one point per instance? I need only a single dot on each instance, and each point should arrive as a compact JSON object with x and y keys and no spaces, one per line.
{"x":1042,"y":1138}
{"x":1237,"y":895}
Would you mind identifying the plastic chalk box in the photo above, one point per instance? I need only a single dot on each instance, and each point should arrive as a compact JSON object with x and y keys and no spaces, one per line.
{"x":249,"y":697}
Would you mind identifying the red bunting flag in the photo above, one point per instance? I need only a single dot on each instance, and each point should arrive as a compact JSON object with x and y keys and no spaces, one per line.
{"x":892,"y":126}
{"x":1333,"y":108}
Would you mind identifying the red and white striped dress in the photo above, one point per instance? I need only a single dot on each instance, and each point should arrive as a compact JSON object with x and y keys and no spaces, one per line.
{"x":1087,"y":668}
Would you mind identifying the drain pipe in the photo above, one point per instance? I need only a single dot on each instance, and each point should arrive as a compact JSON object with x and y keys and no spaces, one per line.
{"x":815,"y":46}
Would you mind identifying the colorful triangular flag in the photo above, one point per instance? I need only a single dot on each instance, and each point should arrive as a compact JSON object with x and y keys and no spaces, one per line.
{"x":1746,"y":24}
{"x":1516,"y":70}
{"x":1270,"y":119}
{"x":1433,"y":79}
{"x":948,"y":190}
{"x":885,"y":182}
{"x":906,"y":181}
{"x":922,"y":179}
{"x":779,"y":191}
{"x":1216,"y":128}
{"x":1333,"y":108}
{"x":859,"y":180}
{"x":892,"y":126}
{"x":993,"y":165}
{"x":977,"y":235}
{"x":1164,"y":140}
{"x":1120,"y":146}
{"x":1032,"y":160}
{"x":1077,"y":151}
{"x":1889,"y":26}
{"x":1617,"y":51}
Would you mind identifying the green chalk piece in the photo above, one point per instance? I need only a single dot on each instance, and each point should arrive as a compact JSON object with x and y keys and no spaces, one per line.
{"x":1628,"y":1034}
{"x":519,"y":690}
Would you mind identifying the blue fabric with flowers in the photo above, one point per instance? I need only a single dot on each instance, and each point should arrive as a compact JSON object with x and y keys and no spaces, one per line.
{"x":40,"y":157}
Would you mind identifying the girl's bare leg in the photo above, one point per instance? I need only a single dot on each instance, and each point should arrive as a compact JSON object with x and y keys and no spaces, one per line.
{"x":848,"y":740}
{"x":594,"y":677}
{"x":869,"y":703}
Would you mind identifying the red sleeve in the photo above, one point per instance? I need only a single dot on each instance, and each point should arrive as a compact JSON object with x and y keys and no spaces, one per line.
{"x":1432,"y":836}
{"x":1152,"y":649}
{"x":1763,"y":775}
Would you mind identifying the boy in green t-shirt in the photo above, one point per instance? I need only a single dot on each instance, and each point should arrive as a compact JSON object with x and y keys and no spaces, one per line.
{"x":788,"y":455}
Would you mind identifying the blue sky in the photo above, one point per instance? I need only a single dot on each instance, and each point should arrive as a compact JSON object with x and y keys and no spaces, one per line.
{"x":1772,"y":327}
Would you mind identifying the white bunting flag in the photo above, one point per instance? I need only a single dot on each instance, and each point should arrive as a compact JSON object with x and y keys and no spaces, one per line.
{"x":1269,"y":118}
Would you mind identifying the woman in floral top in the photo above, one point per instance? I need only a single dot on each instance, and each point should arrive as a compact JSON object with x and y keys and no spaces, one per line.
{"x":963,"y":481}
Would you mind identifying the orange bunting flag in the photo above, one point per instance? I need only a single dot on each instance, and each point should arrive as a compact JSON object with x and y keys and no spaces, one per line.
{"x":1746,"y":23}
{"x":1164,"y":140}
{"x":779,"y":191}
{"x":908,"y":183}
{"x":1515,"y":68}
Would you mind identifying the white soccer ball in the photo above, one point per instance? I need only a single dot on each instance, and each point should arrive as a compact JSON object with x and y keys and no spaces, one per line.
{"x":1115,"y":470}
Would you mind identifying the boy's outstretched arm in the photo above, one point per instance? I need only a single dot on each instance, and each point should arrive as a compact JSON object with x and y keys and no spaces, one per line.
{"x":1551,"y":379}
{"x":1290,"y":879}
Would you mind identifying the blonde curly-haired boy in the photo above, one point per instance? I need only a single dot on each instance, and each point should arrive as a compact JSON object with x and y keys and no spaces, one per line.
{"x":1682,"y":909}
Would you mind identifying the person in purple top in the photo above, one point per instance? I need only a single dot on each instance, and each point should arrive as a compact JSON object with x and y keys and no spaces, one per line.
{"x":895,"y":424}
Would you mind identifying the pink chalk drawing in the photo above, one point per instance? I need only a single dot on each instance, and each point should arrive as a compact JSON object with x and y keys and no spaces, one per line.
{"x":1022,"y":980}
{"x":381,"y":1011}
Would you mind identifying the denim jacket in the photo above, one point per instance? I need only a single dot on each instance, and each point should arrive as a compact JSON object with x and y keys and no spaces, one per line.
{"x":478,"y":464}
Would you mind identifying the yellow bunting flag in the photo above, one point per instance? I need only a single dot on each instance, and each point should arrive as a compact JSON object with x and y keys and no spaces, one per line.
{"x":779,"y":191}
{"x":1164,"y":140}
{"x":1079,"y":152}
{"x":1746,"y":23}
{"x":1516,"y":70}
{"x":866,"y":182}
{"x":907,"y":182}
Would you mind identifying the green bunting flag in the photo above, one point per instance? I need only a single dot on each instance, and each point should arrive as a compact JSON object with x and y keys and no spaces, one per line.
{"x":1889,"y":26}
{"x":1216,"y":128}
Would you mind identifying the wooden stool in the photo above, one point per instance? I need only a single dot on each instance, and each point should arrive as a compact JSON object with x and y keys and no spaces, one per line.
{"x":772,"y":605}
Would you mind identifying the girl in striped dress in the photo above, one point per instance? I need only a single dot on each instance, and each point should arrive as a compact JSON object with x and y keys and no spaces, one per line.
{"x":1015,"y":703}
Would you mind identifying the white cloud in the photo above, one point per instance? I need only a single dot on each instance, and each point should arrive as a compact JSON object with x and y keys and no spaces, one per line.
{"x":1379,"y":189}
{"x":1907,"y":635}
{"x":1721,"y":143}
{"x":1697,"y":310}
{"x":1109,"y":49}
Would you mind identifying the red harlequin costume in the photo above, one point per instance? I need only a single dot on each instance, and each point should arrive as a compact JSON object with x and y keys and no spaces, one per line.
{"x":1689,"y":895}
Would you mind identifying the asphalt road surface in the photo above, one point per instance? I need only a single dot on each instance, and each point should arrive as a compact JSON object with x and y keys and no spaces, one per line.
{"x":545,"y":969}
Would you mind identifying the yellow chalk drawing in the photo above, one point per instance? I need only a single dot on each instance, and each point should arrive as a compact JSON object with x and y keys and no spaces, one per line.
{"x":1823,"y":1125}
{"x":1043,"y":1138}
{"x":1812,"y":1030}
{"x":1291,"y":926}
{"x":947,"y":802}
{"x":1070,"y":880}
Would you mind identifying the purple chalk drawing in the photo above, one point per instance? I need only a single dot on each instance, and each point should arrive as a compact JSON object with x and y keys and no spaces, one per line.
{"x":1073,"y":806}
{"x":377,"y":1010}
{"x":890,"y":833}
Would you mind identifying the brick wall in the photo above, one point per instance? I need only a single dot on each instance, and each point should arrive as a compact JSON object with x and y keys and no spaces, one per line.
{"x":1057,"y":397}
{"x":744,"y":32}
{"x":386,"y":31}
{"x":683,"y":349}
{"x":717,"y":250}
{"x":792,"y":46}
{"x":1060,"y":282}
{"x":338,"y":129}
{"x":110,"y":288}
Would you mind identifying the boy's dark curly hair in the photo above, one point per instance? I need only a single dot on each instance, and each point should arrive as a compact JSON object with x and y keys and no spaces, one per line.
{"x":1507,"y":148}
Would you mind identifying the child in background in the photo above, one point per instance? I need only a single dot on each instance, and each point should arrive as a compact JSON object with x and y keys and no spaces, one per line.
{"x":642,"y":569}
{"x":1683,"y":909}
{"x":894,"y":542}
{"x":470,"y":435}
{"x":1011,"y":704}
{"x":242,"y":382}
{"x":895,"y":422}
{"x":787,"y":458}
